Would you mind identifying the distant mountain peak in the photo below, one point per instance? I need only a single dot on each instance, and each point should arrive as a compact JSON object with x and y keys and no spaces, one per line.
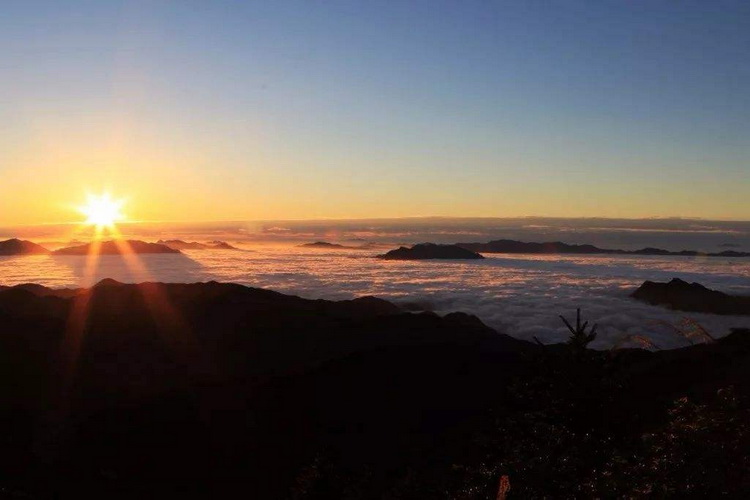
{"x":429,"y":251}
{"x":195,"y":245}
{"x":693,"y":297}
{"x":15,"y":246}
{"x":108,"y":282}
{"x":558,"y":247}
{"x":116,"y":247}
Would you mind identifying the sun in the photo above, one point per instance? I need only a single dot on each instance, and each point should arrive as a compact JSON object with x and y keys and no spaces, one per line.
{"x":102,"y":211}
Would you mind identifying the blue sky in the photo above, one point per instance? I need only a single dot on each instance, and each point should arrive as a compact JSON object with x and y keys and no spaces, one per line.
{"x":219,"y":110}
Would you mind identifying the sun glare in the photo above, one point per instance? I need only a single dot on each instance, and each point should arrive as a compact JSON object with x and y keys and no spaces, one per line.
{"x":102,"y":211}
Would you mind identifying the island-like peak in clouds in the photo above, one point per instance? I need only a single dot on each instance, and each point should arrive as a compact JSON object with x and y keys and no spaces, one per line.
{"x":15,"y":246}
{"x":693,"y":297}
{"x":426,"y":251}
{"x":558,"y":247}
{"x":116,"y":247}
{"x":323,"y":245}
{"x":195,"y":245}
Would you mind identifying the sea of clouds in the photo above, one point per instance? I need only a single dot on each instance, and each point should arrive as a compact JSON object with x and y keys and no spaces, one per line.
{"x":518,"y":295}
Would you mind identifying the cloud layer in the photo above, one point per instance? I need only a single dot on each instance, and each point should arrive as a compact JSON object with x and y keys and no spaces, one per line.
{"x":521,"y":296}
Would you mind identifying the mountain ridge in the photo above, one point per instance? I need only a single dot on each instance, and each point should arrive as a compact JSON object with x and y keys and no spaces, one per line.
{"x":15,"y":246}
{"x":195,"y":390}
{"x":430,"y":251}
{"x":558,"y":247}
{"x":116,"y":247}
{"x":691,"y":297}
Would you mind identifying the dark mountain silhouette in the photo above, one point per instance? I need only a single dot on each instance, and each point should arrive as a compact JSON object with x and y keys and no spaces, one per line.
{"x":512,"y":246}
{"x":324,"y":245}
{"x":43,"y":291}
{"x":221,"y":245}
{"x":15,"y":246}
{"x":205,"y":390}
{"x":558,"y":247}
{"x":424,"y":251}
{"x":195,"y":245}
{"x":729,"y":253}
{"x":693,"y":297}
{"x":116,"y":248}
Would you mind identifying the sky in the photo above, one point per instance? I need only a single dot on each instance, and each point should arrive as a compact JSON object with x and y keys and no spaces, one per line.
{"x":242,"y":110}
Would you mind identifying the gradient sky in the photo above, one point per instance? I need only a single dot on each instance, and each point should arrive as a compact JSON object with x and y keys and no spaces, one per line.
{"x":215,"y":110}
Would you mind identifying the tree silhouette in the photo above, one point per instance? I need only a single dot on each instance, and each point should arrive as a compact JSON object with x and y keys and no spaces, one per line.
{"x":578,"y":336}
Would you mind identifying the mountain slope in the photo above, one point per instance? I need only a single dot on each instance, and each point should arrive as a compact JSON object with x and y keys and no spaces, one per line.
{"x":15,"y":246}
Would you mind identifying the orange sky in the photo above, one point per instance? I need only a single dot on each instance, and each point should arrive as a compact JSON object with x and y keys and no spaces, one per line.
{"x":252,"y":111}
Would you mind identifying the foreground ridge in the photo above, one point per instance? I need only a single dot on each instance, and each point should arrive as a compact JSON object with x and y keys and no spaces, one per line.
{"x":194,"y":390}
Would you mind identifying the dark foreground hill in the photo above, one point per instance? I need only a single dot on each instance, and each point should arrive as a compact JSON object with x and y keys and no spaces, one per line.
{"x":222,"y":391}
{"x":116,"y":247}
{"x":15,"y":246}
{"x":693,"y":297}
{"x":558,"y":247}
{"x":427,"y":251}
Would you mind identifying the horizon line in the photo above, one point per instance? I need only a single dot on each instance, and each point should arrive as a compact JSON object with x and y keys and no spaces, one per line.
{"x":408,"y":217}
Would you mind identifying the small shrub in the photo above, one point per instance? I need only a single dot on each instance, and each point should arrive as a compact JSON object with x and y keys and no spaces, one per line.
{"x":579,"y":339}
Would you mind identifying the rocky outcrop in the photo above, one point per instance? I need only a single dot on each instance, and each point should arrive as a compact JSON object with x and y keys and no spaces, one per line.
{"x":692,"y":297}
